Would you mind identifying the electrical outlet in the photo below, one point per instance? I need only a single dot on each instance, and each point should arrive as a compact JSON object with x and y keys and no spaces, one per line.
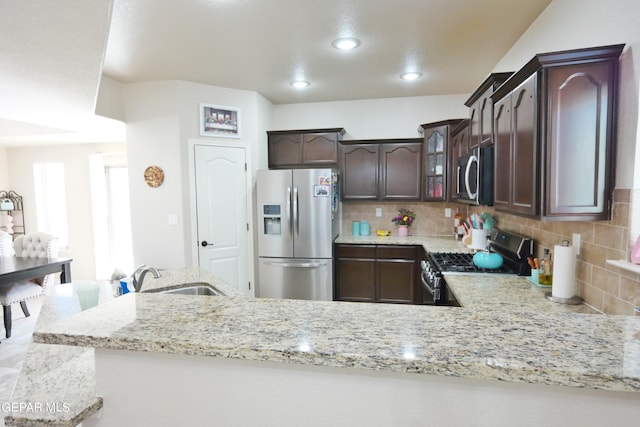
{"x":378,"y":212}
{"x":576,"y":243}
{"x":447,"y":212}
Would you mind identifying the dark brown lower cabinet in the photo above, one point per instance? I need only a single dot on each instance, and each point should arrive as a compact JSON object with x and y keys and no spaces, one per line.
{"x":376,"y":273}
{"x":355,"y":273}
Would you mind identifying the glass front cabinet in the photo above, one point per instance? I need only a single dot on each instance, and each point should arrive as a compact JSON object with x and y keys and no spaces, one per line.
{"x":435,"y":150}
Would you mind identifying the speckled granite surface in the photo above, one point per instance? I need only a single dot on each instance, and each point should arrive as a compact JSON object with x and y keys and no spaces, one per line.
{"x":507,"y":331}
{"x":65,"y":375}
{"x":432,"y":243}
{"x":171,"y":279}
{"x":569,"y":349}
{"x":506,"y":292}
{"x":54,"y":374}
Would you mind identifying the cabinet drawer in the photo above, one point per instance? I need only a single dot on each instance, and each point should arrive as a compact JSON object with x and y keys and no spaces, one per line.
{"x":396,"y":252}
{"x":355,"y":251}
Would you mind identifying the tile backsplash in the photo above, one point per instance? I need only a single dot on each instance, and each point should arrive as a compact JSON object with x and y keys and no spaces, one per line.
{"x":607,"y":288}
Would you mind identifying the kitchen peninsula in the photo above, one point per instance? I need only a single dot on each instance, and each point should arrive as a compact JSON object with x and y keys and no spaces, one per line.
{"x":234,"y":360}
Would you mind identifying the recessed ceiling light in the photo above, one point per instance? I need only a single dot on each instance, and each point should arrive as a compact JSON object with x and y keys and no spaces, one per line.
{"x":346,"y":43}
{"x":413,"y":75}
{"x":300,"y":84}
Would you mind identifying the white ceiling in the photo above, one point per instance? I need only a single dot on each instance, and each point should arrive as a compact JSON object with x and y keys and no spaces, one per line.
{"x":53,"y":53}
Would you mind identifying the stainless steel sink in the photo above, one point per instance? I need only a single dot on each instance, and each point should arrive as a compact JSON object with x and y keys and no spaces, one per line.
{"x":195,"y":290}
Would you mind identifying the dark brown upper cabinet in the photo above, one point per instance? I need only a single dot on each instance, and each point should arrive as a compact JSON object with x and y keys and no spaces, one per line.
{"x":516,"y":151}
{"x":481,"y":110}
{"x":359,"y":165}
{"x":459,"y":147}
{"x":436,"y":153}
{"x":400,"y":168}
{"x":304,"y":148}
{"x":387,"y":169}
{"x":555,"y":136}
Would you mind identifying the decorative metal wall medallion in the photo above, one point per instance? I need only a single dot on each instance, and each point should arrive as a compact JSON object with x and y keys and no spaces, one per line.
{"x":153,"y":176}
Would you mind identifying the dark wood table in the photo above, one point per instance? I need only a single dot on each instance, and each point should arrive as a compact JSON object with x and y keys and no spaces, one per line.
{"x":14,"y":269}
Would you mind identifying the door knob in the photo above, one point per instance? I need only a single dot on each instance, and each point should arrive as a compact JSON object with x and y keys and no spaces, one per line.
{"x":204,"y":243}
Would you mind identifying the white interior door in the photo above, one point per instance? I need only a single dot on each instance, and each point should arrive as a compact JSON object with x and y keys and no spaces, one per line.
{"x":221,"y":198}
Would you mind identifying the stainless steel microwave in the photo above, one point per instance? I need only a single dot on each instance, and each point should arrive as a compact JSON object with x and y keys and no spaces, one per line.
{"x":474,"y":177}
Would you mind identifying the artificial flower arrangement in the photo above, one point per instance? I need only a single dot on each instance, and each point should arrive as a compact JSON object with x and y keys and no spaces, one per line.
{"x":405,"y":217}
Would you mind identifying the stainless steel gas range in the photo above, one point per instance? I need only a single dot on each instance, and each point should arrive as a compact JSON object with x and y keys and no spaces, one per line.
{"x":514,"y":248}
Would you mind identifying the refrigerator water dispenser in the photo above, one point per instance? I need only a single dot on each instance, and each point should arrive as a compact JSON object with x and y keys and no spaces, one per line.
{"x":272,"y":219}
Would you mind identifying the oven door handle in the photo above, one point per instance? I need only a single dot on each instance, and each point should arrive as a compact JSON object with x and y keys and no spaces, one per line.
{"x":435,"y":291}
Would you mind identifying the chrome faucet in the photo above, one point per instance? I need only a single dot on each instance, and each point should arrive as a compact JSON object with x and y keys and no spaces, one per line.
{"x":138,"y":276}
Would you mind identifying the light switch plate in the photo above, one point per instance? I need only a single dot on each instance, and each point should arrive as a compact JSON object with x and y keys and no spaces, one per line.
{"x":576,"y":243}
{"x":447,"y":212}
{"x":378,"y":212}
{"x":172,"y":219}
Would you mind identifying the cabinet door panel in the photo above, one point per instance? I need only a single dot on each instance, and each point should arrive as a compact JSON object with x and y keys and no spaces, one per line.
{"x":502,"y":151}
{"x":474,"y":126}
{"x":400,"y":171}
{"x":577,"y":135}
{"x":396,"y":252}
{"x":359,"y":171}
{"x":320,"y":149}
{"x":355,"y":280}
{"x":525,"y":178}
{"x":436,"y":141}
{"x":285,"y":150}
{"x":485,"y":109}
{"x":459,"y":147}
{"x":355,"y":251}
{"x":396,"y":281}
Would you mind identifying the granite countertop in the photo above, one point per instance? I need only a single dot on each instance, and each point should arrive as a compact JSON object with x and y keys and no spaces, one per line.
{"x":431,"y":243}
{"x":172,"y":279}
{"x":568,"y":349}
{"x":66,"y":374}
{"x":505,"y":330}
{"x":507,"y":292}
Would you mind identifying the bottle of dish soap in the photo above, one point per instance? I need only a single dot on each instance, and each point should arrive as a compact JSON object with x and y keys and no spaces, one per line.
{"x":546,"y":269}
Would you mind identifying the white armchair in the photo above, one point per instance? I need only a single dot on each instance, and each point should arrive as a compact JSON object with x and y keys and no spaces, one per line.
{"x":33,"y":245}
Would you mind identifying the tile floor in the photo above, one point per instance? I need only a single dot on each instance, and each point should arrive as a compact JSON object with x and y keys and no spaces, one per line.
{"x":13,"y":350}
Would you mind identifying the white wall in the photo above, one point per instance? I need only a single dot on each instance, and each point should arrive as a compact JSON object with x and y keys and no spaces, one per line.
{"x":75,"y":158}
{"x":162,"y":120}
{"x":4,"y":170}
{"x":373,"y":118}
{"x":109,"y":102}
{"x":153,"y":135}
{"x":572,"y":24}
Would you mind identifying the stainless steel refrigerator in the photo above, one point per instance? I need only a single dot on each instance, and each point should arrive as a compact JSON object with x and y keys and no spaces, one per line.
{"x":298,"y":220}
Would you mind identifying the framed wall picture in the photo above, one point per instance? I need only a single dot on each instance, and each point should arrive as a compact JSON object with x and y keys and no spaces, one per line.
{"x":217,"y":120}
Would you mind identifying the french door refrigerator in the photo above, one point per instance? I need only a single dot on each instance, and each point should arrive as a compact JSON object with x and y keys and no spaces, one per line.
{"x":298,"y":220}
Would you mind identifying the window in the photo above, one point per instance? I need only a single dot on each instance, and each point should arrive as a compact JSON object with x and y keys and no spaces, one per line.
{"x":120,"y":243}
{"x":51,"y":200}
{"x":111,"y":214}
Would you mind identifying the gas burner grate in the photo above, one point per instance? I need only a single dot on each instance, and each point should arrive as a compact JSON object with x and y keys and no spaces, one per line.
{"x":454,"y":262}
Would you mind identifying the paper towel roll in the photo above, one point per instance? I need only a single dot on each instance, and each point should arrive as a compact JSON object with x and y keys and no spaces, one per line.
{"x":564,"y":272}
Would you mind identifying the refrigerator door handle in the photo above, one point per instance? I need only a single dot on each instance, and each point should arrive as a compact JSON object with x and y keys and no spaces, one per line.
{"x":296,"y":213}
{"x":297,"y":264}
{"x":289,"y":212}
